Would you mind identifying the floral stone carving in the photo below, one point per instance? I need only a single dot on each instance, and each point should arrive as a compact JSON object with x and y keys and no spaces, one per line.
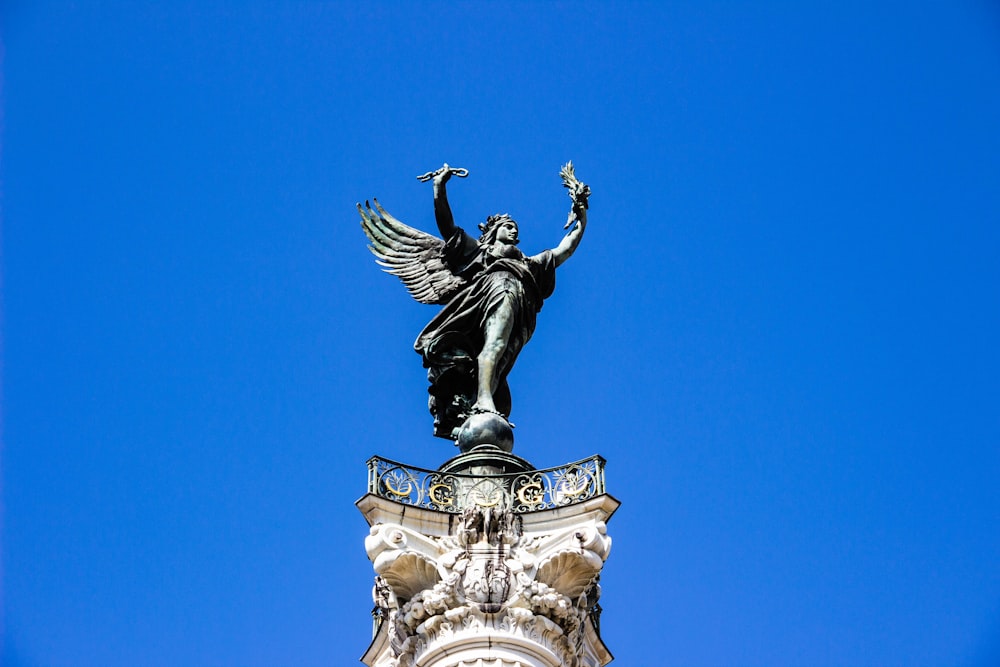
{"x":487,"y":584}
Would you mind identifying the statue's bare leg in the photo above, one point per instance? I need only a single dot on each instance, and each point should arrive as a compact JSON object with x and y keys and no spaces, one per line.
{"x":497,"y":334}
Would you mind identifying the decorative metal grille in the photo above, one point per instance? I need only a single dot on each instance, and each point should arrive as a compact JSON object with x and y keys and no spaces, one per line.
{"x":518,"y":492}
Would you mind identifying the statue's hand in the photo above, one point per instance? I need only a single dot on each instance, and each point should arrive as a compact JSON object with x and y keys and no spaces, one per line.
{"x":441,"y":176}
{"x":579,"y":193}
{"x":578,"y":213}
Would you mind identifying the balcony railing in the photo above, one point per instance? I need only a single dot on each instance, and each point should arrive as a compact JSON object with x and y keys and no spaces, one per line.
{"x":518,"y":492}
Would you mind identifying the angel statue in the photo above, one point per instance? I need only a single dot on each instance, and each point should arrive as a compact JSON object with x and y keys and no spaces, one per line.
{"x":491,"y":293}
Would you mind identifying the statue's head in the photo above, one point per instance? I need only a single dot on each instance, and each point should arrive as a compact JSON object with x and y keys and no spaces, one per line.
{"x":499,"y":227}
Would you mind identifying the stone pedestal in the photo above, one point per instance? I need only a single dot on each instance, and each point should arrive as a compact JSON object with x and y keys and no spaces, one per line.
{"x":487,"y":570}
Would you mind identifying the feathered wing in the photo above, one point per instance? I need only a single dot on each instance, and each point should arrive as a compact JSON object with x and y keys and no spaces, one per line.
{"x":413,"y":256}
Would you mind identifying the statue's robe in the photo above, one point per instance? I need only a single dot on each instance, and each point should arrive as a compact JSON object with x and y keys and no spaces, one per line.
{"x":452,"y":341}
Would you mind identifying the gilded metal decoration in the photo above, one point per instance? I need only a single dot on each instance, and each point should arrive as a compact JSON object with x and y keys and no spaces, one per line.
{"x":515,"y":492}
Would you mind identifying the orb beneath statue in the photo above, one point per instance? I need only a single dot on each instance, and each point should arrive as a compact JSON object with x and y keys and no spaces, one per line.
{"x":485,"y":428}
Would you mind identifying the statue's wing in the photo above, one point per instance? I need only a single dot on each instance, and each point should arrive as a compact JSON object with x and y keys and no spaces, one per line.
{"x":413,"y":256}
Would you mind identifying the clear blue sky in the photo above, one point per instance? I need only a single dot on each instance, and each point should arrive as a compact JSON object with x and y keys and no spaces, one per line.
{"x":781,"y":327}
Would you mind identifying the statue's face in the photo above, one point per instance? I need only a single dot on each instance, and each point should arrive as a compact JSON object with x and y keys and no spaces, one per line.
{"x":507,"y":232}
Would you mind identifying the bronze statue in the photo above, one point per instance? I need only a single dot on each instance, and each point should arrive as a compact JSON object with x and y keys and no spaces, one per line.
{"x":491,"y":293}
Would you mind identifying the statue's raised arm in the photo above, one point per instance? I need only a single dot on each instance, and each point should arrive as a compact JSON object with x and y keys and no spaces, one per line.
{"x":576,"y":222}
{"x":491,"y":293}
{"x":442,"y":210}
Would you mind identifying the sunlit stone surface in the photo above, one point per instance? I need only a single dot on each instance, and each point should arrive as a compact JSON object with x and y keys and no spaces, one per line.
{"x":488,"y":586}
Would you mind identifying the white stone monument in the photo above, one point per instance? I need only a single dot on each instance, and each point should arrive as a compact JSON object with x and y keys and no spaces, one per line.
{"x":487,"y":562}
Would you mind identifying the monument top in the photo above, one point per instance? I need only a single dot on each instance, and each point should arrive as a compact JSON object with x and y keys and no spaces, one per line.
{"x":491,"y":293}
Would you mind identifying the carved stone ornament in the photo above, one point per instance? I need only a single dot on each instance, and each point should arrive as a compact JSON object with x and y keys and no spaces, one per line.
{"x":487,"y":587}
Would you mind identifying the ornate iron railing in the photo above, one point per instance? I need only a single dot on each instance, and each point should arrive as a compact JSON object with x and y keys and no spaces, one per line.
{"x":518,"y":492}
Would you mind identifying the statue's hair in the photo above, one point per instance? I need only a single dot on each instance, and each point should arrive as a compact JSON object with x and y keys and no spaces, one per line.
{"x":490,"y":227}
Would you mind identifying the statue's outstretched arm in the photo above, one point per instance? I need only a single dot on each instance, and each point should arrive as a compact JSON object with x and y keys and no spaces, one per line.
{"x":576,"y":222}
{"x":442,"y":210}
{"x":568,"y":245}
